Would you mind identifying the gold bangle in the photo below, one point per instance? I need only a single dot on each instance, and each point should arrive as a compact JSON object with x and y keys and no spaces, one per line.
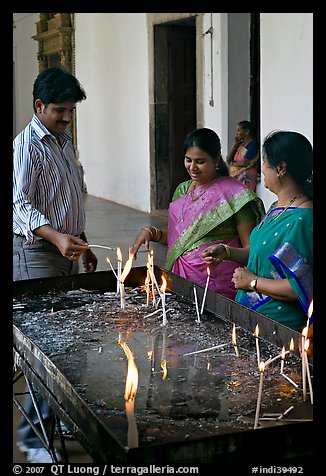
{"x":227,"y":250}
{"x":158,"y":234}
{"x":149,"y":231}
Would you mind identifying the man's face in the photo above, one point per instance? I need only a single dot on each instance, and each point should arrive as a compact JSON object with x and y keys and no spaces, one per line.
{"x":56,"y":116}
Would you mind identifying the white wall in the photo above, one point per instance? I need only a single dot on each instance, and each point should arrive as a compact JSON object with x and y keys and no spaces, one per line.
{"x":286,"y":76}
{"x":25,"y":66}
{"x":112,"y":65}
{"x":215,"y":117}
{"x":113,"y":122}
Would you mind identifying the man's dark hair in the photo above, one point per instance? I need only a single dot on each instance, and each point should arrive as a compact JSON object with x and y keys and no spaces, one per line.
{"x":55,"y":85}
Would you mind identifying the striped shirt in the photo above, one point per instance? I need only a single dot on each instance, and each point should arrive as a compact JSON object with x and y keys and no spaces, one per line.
{"x":47,"y":183}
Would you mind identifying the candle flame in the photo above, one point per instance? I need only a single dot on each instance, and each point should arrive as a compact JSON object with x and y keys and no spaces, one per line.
{"x":208,"y":271}
{"x":127,"y":268}
{"x":291,"y":344}
{"x":234,"y":340}
{"x":306,"y":345}
{"x":310,"y":308}
{"x":283,"y":353}
{"x":261,"y":366}
{"x":163,"y":287}
{"x":304,"y":332}
{"x":257,"y":330}
{"x":164,"y":368}
{"x":132,"y":373}
{"x":119,"y":255}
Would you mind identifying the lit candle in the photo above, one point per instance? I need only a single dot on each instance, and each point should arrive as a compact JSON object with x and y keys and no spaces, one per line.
{"x":257,"y":344}
{"x":205,"y":292}
{"x":261,"y":370}
{"x":309,"y":313}
{"x":119,"y":257}
{"x":282,"y":359}
{"x":163,"y":288}
{"x":147,"y":281}
{"x":306,"y":347}
{"x":234,"y":341}
{"x":303,"y":362}
{"x":196,"y":303}
{"x":123,"y":275}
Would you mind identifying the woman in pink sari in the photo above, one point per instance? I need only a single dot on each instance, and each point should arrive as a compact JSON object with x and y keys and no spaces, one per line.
{"x":208,"y":209}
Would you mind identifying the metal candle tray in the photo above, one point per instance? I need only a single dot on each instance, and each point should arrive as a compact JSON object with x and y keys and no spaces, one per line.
{"x":203,"y":412}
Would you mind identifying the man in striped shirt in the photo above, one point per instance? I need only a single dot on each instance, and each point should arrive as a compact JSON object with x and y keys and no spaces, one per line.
{"x":48,"y":208}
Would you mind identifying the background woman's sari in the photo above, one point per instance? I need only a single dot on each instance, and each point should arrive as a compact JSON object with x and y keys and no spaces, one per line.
{"x":192,"y":225}
{"x":283,"y":248}
{"x":248,"y":174}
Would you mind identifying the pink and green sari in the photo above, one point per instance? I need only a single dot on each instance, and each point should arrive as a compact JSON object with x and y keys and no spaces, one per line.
{"x":194,"y":224}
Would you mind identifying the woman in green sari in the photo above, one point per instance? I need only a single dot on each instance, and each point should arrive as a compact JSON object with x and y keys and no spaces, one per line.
{"x":277,"y":279}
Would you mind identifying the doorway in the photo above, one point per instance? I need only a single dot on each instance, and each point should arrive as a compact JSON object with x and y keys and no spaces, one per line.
{"x":175,"y":103}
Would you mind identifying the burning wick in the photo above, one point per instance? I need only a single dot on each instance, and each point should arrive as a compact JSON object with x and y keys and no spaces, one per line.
{"x":130,"y":394}
{"x":162,"y":293}
{"x":234,"y":341}
{"x":257,"y":344}
{"x":309,"y":314}
{"x":261,"y":370}
{"x":205,"y":292}
{"x":306,"y":347}
{"x":197,"y":308}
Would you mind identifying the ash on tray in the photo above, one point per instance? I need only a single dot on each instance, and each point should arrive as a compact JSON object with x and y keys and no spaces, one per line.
{"x":202,"y":394}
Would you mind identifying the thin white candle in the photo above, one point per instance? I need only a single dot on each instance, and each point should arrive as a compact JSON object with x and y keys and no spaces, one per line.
{"x":101,"y":246}
{"x":290,"y":380}
{"x":306,"y":347}
{"x":197,"y":308}
{"x":285,"y":413}
{"x":163,"y":288}
{"x":282,"y":359}
{"x":270,"y":360}
{"x":205,"y":292}
{"x":303,"y":363}
{"x":119,"y":266}
{"x":257,"y":344}
{"x":261,"y":370}
{"x":205,"y":350}
{"x":234,"y":341}
{"x":112,"y":269}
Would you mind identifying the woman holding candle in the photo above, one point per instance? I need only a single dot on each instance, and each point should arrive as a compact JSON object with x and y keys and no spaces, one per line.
{"x":209,"y":208}
{"x":277,"y":280}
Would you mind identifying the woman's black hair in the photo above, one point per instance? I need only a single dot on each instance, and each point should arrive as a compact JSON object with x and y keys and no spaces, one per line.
{"x":295,"y":150}
{"x":207,"y":140}
{"x":55,"y":85}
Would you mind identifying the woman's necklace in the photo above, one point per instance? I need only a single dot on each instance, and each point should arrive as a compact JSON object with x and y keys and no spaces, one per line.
{"x":283,"y":209}
{"x":195,"y":198}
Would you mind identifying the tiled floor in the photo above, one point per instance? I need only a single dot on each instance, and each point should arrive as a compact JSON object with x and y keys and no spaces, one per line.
{"x":108,"y":224}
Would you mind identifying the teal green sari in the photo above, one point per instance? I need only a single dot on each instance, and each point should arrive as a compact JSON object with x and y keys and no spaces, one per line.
{"x":281,"y":247}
